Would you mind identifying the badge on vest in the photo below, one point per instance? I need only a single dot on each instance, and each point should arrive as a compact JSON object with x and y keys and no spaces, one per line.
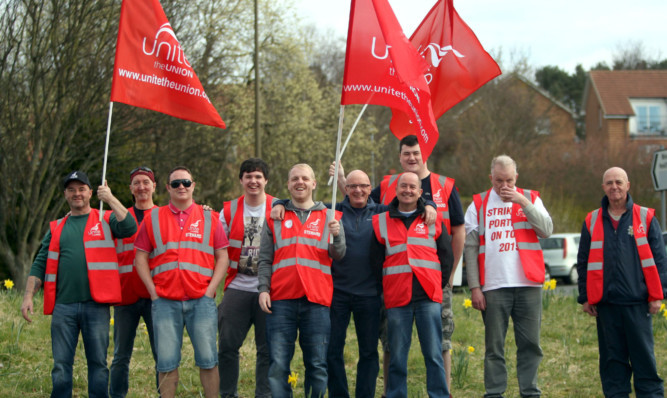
{"x":193,"y":231}
{"x":313,"y":228}
{"x":288,"y":224}
{"x":520,"y":213}
{"x":420,"y":228}
{"x":95,"y":231}
{"x":437,"y":198}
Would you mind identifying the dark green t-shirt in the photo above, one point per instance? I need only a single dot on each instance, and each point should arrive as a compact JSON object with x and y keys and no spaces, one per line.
{"x":72,"y":280}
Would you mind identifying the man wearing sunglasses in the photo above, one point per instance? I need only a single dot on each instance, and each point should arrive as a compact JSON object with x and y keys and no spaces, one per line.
{"x":243,"y":219}
{"x":136,"y":303}
{"x":181,"y":257}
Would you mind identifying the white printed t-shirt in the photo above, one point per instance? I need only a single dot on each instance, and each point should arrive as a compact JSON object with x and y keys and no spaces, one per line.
{"x":502,"y":265}
{"x":253,"y":220}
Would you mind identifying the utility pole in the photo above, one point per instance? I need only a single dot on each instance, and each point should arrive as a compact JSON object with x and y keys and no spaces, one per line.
{"x":258,"y":138}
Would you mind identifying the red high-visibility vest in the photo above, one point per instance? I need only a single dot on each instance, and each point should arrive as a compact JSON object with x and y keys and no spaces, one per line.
{"x":100,"y":252}
{"x":182,"y":261}
{"x":131,"y":286}
{"x":530,"y":251}
{"x":408,"y":251}
{"x":641,"y":221}
{"x":301,"y":262}
{"x":441,"y":188}
{"x":233,"y":212}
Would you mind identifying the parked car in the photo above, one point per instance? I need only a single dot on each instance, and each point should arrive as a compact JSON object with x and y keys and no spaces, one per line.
{"x":560,"y":256}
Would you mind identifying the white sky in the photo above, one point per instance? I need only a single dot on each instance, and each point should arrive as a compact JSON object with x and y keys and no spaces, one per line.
{"x":563,"y":33}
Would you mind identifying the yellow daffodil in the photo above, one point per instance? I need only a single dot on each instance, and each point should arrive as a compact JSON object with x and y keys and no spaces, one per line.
{"x":292,"y":379}
{"x":467,"y":303}
{"x":552,"y":284}
{"x":545,"y":286}
{"x":664,"y":313}
{"x":471,"y":349}
{"x":111,"y":322}
{"x":662,"y":306}
{"x":9,"y":284}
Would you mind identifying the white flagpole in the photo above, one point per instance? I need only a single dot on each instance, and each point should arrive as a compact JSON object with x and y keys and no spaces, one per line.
{"x":332,"y":211}
{"x":106,"y":153}
{"x":342,"y":151}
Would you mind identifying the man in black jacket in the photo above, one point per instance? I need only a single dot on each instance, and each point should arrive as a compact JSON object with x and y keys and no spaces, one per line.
{"x":622,"y":277}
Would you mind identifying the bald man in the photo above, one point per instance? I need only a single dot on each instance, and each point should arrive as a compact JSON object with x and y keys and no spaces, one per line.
{"x":622,"y":277}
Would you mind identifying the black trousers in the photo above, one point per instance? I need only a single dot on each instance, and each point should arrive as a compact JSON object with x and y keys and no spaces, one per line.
{"x":625,"y":338}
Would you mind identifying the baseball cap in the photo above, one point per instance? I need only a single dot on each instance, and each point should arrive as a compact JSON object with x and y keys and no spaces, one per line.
{"x":142,"y":170}
{"x":77,"y":175}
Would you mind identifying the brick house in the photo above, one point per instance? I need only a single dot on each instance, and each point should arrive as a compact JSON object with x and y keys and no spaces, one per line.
{"x":626,"y":109}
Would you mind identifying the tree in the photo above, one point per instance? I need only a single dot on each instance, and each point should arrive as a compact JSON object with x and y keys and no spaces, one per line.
{"x":55,"y":68}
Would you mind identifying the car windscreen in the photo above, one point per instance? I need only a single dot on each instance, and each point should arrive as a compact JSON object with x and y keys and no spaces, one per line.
{"x":551,"y":243}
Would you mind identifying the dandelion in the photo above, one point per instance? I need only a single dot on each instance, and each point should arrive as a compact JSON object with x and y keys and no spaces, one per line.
{"x":292,"y":379}
{"x":471,"y":349}
{"x":467,"y":303}
{"x":552,"y":284}
{"x":9,"y":284}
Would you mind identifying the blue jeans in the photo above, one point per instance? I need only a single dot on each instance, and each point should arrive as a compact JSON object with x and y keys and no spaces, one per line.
{"x":126,"y":319}
{"x":200,"y":317}
{"x":92,"y":320}
{"x":366,"y":310}
{"x":312,"y":323}
{"x":426,"y":315}
{"x":237,"y":311}
{"x":524,"y":306}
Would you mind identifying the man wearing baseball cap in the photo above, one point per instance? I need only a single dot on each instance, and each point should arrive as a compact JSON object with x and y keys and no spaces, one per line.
{"x":136,"y":302}
{"x":78,"y":266}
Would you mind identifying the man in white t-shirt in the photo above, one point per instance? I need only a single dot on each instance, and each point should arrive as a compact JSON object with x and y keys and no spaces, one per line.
{"x":243,"y":219}
{"x":505,"y":270}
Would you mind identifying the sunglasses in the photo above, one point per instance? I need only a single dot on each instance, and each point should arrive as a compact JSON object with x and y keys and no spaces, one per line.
{"x":177,"y":183}
{"x":141,"y":168}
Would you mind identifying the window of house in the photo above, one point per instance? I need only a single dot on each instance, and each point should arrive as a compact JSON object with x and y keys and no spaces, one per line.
{"x":648,"y":120}
{"x":650,"y":117}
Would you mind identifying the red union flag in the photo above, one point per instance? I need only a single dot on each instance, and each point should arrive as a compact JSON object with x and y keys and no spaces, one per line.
{"x":151,"y":70}
{"x":459,"y":65}
{"x":383,"y":68}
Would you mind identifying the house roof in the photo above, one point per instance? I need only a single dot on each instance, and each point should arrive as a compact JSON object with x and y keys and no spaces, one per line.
{"x":614,"y":88}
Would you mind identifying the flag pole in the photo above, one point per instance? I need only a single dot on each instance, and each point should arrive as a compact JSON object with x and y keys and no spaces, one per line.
{"x":342,"y":151}
{"x":332,"y":211}
{"x":106,"y":154}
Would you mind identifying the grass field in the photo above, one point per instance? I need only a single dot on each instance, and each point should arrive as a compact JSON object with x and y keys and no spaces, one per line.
{"x":569,"y":367}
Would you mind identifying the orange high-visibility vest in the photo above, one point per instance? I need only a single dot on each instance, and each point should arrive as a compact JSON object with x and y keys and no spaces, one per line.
{"x":441,"y":188}
{"x":408,"y":251}
{"x":233,"y":212}
{"x":301,"y":262}
{"x":641,"y":221}
{"x":530,"y":251}
{"x":131,"y":286}
{"x":100,"y":252}
{"x":182,"y":261}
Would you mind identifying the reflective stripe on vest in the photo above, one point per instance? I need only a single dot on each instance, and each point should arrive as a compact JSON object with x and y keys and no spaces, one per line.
{"x":530,"y":252}
{"x":233,"y":213}
{"x":408,"y":252}
{"x":439,"y":184}
{"x":162,"y":248}
{"x":100,"y":256}
{"x":641,"y":221}
{"x":301,"y":264}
